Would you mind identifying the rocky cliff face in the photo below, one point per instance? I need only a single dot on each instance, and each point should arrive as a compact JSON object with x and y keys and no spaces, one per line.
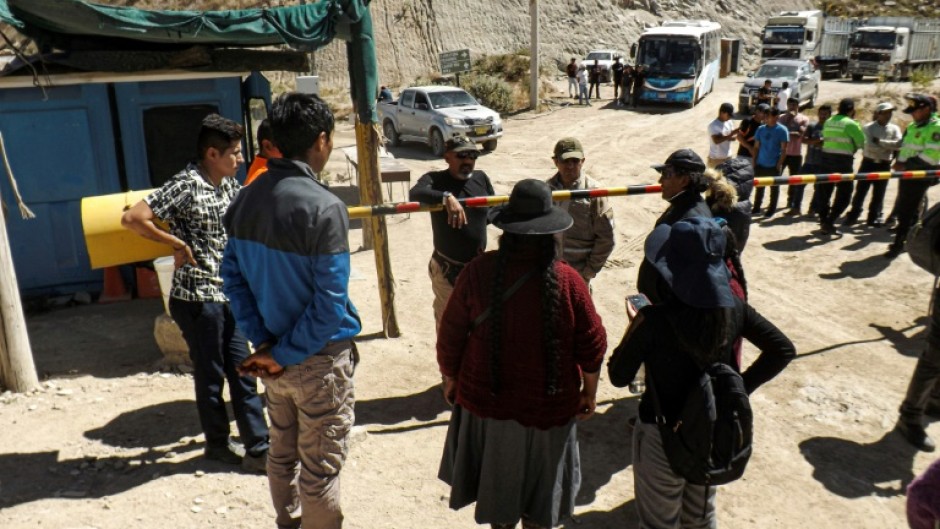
{"x":411,"y":33}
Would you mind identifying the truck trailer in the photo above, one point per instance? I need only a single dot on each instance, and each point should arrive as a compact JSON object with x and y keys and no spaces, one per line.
{"x":893,"y":47}
{"x":808,"y":35}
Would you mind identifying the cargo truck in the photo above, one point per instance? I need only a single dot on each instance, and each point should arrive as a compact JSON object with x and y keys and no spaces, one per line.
{"x":893,"y":47}
{"x":808,"y":35}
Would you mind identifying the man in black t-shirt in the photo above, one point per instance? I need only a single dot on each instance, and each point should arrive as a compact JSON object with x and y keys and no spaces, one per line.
{"x":765,"y":94}
{"x":617,"y":69}
{"x":572,"y":71}
{"x":594,"y":77}
{"x":639,"y":78}
{"x":748,"y":128}
{"x":459,"y":234}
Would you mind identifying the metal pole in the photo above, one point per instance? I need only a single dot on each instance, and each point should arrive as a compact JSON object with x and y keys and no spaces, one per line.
{"x":360,"y":212}
{"x":534,"y":55}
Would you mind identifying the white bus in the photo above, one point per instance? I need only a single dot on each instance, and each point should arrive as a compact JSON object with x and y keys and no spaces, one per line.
{"x":680,"y":60}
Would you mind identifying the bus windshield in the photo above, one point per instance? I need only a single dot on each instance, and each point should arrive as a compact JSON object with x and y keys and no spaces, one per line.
{"x":669,"y":55}
{"x":784,"y":35}
{"x":874,"y":39}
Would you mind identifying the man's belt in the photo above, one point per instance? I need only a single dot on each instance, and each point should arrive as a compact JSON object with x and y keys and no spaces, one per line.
{"x":450,"y":268}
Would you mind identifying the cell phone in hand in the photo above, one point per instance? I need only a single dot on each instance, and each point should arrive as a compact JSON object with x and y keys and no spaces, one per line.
{"x":637,"y":301}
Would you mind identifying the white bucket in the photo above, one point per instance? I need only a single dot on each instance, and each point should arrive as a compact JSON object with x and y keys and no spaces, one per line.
{"x":164,"y":267}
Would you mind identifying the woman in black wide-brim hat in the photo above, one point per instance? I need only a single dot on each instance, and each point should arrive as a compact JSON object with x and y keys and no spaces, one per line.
{"x":520,"y":347}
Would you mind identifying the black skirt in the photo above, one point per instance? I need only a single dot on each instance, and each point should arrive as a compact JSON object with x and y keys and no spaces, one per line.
{"x":511,"y":471}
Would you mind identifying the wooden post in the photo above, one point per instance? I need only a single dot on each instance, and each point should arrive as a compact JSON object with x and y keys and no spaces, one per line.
{"x":17,"y":371}
{"x":534,"y":55}
{"x":370,"y":193}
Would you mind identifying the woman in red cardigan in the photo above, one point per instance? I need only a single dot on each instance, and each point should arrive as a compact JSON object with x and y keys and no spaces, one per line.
{"x":520,"y":347}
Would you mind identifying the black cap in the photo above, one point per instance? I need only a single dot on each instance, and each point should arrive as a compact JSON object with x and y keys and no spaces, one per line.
{"x":460,"y":144}
{"x":846,"y":105}
{"x":763,"y":107}
{"x":684,"y":159}
{"x":726,"y":107}
{"x":916,"y":102}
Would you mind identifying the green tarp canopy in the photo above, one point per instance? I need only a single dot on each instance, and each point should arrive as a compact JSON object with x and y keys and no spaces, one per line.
{"x":77,"y":24}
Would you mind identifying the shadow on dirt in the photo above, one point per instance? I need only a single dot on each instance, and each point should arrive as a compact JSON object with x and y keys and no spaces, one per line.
{"x":618,"y":518}
{"x":424,"y":406}
{"x":855,"y":470}
{"x":158,"y":429}
{"x":605,"y":442}
{"x":906,"y":345}
{"x":151,"y":426}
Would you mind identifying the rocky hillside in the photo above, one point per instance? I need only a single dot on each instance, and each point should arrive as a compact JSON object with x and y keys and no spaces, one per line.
{"x":411,"y":33}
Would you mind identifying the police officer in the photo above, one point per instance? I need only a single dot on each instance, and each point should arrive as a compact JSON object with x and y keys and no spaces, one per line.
{"x":841,"y":137}
{"x":920,"y":150}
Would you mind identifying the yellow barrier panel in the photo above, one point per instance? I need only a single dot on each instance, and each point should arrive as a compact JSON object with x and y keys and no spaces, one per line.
{"x":109,"y":243}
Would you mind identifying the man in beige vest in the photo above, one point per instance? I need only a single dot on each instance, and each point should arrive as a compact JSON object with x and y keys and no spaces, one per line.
{"x":590,"y":240}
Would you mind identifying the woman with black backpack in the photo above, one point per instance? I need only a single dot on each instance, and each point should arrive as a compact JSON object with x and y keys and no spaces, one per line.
{"x":686,"y":344}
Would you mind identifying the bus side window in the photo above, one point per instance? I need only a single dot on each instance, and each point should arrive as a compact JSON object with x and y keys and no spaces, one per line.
{"x":809,"y":36}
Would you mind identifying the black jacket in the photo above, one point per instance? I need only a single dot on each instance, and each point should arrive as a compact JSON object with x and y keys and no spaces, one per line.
{"x":685,"y":205}
{"x":651,"y":340}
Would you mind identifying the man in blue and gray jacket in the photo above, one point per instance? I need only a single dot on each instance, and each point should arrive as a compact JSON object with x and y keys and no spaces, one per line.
{"x":286,"y":272}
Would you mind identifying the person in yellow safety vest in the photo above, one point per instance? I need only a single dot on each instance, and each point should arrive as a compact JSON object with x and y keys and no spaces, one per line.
{"x":841,"y":137}
{"x":920,"y":150}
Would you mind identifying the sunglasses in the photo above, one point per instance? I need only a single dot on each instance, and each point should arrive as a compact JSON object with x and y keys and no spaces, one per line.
{"x":668,"y":172}
{"x":467,"y":155}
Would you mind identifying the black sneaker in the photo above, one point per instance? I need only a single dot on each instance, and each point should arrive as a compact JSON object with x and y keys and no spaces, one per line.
{"x":850,"y":220}
{"x":893,"y":251}
{"x":830,"y":229}
{"x":230,"y":453}
{"x":915,"y":434}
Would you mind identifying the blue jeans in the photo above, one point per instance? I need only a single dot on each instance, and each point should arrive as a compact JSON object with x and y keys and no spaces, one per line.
{"x":583,"y":95}
{"x":216,"y":347}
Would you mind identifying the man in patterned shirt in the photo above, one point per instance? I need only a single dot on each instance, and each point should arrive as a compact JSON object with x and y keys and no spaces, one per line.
{"x":192,"y":204}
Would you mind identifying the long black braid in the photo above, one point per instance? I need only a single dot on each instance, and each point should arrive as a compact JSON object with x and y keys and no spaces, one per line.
{"x":551,"y":307}
{"x":551,"y":301}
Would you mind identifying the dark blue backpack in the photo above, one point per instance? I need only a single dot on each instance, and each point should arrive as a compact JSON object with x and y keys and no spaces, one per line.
{"x":709,"y":443}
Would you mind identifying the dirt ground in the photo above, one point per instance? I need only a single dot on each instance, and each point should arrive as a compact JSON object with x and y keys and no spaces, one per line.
{"x":112,"y":442}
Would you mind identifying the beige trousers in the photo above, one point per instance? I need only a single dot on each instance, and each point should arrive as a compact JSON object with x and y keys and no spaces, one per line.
{"x":441,"y":288}
{"x":311,"y":411}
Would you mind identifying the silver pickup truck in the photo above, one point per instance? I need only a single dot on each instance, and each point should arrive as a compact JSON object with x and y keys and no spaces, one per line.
{"x":435,"y":114}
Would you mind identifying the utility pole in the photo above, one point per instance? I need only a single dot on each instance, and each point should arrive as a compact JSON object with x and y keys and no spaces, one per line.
{"x":534,"y":55}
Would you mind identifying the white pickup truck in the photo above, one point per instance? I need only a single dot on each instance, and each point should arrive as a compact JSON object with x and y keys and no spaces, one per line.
{"x":435,"y":114}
